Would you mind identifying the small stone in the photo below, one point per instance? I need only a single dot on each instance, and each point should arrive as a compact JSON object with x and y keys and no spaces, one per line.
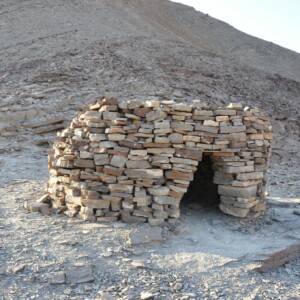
{"x":144,"y":173}
{"x":18,"y":268}
{"x":234,"y":211}
{"x":118,"y":161}
{"x":30,"y":278}
{"x":104,"y":296}
{"x":80,"y":274}
{"x":159,"y":191}
{"x":136,"y":164}
{"x":67,"y":291}
{"x":155,"y":115}
{"x":178,"y":286}
{"x":176,"y":138}
{"x":137,"y":252}
{"x":145,"y":236}
{"x":58,"y":278}
{"x":138,"y":265}
{"x":242,"y":192}
{"x":146,"y":295}
{"x":101,"y":159}
{"x":107,"y":254}
{"x":116,"y":137}
{"x":42,"y":208}
{"x":2,"y":270}
{"x":44,"y":199}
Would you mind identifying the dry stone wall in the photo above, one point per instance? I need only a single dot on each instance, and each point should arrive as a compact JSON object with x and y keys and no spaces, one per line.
{"x":134,"y":160}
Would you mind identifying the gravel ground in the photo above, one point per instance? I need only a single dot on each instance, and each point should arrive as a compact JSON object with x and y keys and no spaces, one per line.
{"x":207,"y":256}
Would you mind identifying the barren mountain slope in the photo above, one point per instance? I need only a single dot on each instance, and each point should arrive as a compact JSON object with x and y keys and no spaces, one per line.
{"x":86,"y":21}
{"x":75,"y":50}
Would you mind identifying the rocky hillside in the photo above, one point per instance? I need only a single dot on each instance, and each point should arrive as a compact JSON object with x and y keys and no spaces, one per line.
{"x":58,"y":55}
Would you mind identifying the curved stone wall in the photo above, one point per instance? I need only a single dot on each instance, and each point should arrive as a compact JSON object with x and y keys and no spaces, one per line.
{"x":134,"y":160}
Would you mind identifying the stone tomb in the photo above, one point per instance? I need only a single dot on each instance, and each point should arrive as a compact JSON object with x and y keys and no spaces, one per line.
{"x":134,"y":160}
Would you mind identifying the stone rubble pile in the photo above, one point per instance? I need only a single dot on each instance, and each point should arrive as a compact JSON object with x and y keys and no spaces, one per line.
{"x":134,"y":160}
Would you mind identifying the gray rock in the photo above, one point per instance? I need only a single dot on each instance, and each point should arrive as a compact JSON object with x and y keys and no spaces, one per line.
{"x":80,"y":274}
{"x":178,"y":286}
{"x":146,"y":295}
{"x":104,"y":296}
{"x":58,"y":278}
{"x":145,"y":236}
{"x":18,"y":268}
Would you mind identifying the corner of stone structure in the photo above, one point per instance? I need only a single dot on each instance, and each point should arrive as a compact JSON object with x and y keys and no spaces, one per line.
{"x":133,"y":160}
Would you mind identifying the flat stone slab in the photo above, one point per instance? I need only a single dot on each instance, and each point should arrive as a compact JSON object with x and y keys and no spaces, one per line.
{"x":142,"y":236}
{"x":80,"y":274}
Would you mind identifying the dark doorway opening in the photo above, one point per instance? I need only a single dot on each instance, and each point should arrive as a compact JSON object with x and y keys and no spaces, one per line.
{"x":202,"y":191}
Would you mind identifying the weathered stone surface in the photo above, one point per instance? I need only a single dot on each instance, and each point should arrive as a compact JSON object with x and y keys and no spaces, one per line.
{"x":211,"y":129}
{"x":84,"y":163}
{"x":155,"y":115}
{"x":203,"y":112}
{"x":94,"y":137}
{"x":99,"y":203}
{"x":140,"y":173}
{"x":162,"y":125}
{"x":42,"y":208}
{"x":235,"y":136}
{"x":156,"y":222}
{"x":113,"y":171}
{"x":161,"y":150}
{"x":107,"y":219}
{"x":118,"y":161}
{"x":165,"y":200}
{"x":182,"y":126}
{"x":243,"y":169}
{"x":138,"y":152}
{"x":120,"y":188}
{"x":179,"y":175}
{"x":190,"y":154}
{"x":248,"y":176}
{"x":182,"y":107}
{"x":86,"y":155}
{"x":116,"y":137}
{"x":126,"y":217}
{"x":80,"y":274}
{"x":18,"y":268}
{"x":58,"y":278}
{"x":186,"y":161}
{"x":145,"y":236}
{"x":176,"y":138}
{"x":44,"y":199}
{"x":234,"y":211}
{"x":232,"y":129}
{"x":211,"y":123}
{"x":136,"y":164}
{"x":101,"y":159}
{"x":108,"y":144}
{"x":224,"y":112}
{"x":159,"y":191}
{"x":242,"y":192}
{"x":227,"y":199}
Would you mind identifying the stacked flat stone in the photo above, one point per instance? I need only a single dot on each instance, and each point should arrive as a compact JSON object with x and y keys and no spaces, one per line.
{"x":134,"y":160}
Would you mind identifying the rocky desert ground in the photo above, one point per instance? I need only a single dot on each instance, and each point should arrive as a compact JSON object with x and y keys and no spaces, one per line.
{"x":56,"y":57}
